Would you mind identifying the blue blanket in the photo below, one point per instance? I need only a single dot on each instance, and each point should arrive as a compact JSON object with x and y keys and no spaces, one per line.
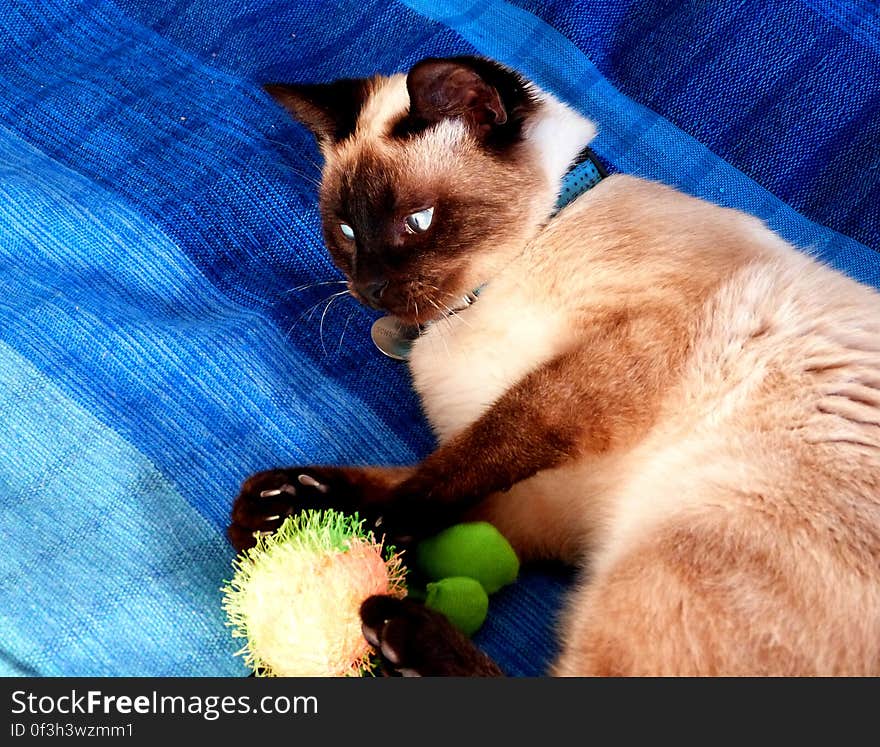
{"x":162,"y":332}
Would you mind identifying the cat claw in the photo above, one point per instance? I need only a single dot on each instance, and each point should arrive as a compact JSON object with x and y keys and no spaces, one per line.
{"x":311,"y":482}
{"x":289,"y":489}
{"x":307,"y":480}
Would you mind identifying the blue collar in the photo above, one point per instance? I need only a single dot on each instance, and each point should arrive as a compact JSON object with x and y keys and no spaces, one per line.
{"x":585,"y":174}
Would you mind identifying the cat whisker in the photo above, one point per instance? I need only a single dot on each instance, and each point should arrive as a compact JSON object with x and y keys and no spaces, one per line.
{"x":300,"y":154}
{"x":452,"y":312}
{"x":446,"y":310}
{"x":326,"y":309}
{"x":448,"y":321}
{"x":308,"y":286}
{"x":312,"y":177}
{"x":287,"y":146}
{"x":310,"y":310}
{"x":323,"y":300}
{"x":345,"y":327}
{"x":288,"y":164}
{"x":440,"y":332}
{"x":304,"y":177}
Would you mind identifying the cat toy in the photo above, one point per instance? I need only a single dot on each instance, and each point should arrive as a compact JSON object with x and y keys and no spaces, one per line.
{"x":295,"y":597}
{"x":463,"y":565}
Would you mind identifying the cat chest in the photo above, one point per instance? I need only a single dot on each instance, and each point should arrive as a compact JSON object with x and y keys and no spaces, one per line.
{"x":466,"y":362}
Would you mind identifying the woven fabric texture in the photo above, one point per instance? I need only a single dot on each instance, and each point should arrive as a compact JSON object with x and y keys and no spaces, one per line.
{"x":163,"y":329}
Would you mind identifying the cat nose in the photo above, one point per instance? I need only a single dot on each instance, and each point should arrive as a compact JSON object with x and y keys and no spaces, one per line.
{"x":373,"y":291}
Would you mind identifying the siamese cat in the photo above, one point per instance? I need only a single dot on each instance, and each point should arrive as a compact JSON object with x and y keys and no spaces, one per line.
{"x":657,"y":389}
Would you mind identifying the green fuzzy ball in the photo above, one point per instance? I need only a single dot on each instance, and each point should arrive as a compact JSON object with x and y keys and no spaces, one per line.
{"x":463,"y":600}
{"x":476,"y":550}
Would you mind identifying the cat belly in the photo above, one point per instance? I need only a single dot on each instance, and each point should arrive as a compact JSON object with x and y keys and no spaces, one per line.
{"x":466,"y":362}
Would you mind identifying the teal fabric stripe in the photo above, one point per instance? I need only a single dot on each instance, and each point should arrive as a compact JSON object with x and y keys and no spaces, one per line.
{"x":633,"y":138}
{"x":134,"y":399}
{"x":111,"y":568}
{"x":108,"y":307}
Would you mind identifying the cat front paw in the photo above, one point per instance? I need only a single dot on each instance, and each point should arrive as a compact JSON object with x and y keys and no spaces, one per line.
{"x":414,"y":641}
{"x":267,"y":498}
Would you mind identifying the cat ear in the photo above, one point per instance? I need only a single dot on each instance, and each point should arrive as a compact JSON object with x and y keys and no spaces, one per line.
{"x":443,"y":88}
{"x":329,"y":110}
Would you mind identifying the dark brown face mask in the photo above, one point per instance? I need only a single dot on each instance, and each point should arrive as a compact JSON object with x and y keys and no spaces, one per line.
{"x":395,"y":338}
{"x":414,"y":241}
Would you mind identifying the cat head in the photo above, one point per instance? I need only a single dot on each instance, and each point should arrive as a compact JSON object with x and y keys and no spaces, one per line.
{"x":434,"y":180}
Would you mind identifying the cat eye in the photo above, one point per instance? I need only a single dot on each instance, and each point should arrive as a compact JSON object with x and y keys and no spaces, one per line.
{"x":421,"y":221}
{"x":347,"y":231}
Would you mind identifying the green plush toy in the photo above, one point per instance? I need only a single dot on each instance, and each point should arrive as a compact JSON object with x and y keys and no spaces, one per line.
{"x":464,"y":564}
{"x":463,"y":600}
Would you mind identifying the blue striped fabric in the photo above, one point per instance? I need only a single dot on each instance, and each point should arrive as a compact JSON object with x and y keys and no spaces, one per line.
{"x":786,"y":91}
{"x":158,"y":221}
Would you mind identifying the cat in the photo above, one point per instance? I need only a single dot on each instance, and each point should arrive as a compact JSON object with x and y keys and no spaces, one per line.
{"x":657,"y":389}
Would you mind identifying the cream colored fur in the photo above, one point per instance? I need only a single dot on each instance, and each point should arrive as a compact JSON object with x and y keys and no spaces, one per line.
{"x":732,"y":525}
{"x":767,"y":442}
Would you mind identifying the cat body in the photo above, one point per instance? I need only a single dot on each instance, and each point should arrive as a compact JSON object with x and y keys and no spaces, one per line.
{"x":752,"y":453}
{"x":657,"y":389}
